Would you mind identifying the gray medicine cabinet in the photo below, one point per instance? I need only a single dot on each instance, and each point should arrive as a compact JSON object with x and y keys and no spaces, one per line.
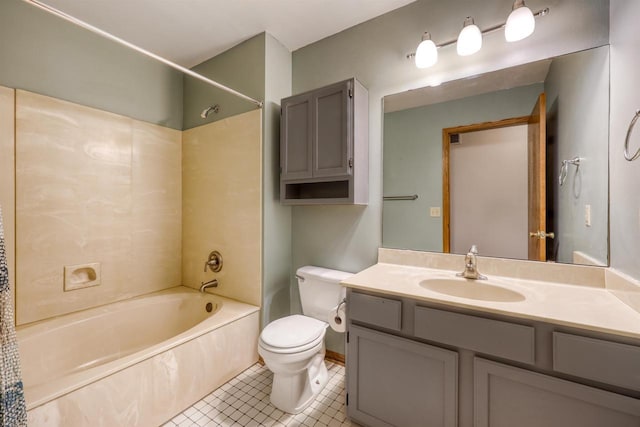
{"x":324,"y":140}
{"x":413,"y":363}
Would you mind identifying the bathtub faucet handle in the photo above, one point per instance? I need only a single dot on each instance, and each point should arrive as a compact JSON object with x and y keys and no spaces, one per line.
{"x":214,"y":262}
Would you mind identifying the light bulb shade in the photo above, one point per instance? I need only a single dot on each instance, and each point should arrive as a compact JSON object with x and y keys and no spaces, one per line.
{"x":470,"y":39}
{"x":427,"y":52}
{"x":520,"y":23}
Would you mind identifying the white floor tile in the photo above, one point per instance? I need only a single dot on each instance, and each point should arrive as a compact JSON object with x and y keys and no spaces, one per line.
{"x":244,"y":402}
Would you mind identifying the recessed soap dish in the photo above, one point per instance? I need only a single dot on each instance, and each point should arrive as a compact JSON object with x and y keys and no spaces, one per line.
{"x":81,"y":276}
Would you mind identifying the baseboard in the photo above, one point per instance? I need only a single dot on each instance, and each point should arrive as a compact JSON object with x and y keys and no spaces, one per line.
{"x":334,"y":357}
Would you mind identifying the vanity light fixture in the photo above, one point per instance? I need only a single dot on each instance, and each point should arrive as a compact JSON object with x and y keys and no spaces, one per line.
{"x":519,"y":25}
{"x":470,"y":38}
{"x":427,"y":52}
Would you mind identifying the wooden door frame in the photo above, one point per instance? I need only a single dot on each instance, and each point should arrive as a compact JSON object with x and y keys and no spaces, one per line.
{"x":446,"y":196}
{"x":536,"y":170}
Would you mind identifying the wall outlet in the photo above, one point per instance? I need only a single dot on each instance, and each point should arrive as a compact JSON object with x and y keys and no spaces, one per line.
{"x":587,"y":215}
{"x":435,"y":211}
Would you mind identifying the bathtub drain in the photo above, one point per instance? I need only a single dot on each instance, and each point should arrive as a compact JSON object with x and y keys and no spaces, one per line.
{"x":209,"y":307}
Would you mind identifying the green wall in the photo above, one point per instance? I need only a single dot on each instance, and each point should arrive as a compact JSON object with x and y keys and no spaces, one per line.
{"x":47,"y":55}
{"x":625,"y":101}
{"x":241,"y":68}
{"x":413,"y":160}
{"x":276,"y":217}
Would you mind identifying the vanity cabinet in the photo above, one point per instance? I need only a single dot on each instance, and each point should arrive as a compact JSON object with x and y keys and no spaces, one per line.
{"x":411,"y":362}
{"x":506,"y":396}
{"x":400,"y":382}
{"x":324,"y":145}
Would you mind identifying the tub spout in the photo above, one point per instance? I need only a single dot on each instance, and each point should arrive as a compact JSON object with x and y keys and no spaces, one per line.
{"x":210,"y":284}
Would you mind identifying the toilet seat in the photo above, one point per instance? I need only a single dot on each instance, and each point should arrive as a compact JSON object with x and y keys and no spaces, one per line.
{"x":292,"y":334}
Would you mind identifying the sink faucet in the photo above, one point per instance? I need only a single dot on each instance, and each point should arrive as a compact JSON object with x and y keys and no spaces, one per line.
{"x":471,"y":265}
{"x":210,"y":284}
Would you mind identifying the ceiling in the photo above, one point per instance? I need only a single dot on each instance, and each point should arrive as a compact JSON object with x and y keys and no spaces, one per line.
{"x":189,"y":32}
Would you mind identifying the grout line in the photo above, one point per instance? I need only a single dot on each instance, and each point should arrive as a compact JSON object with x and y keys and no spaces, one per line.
{"x":244,"y":401}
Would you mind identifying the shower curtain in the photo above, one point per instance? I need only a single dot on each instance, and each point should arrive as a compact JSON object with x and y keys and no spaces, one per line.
{"x":13,"y":411}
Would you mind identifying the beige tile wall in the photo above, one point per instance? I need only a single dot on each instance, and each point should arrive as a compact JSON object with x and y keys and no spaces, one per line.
{"x":157,"y":206}
{"x":222,"y":206}
{"x":92,"y":187}
{"x":7,"y":175}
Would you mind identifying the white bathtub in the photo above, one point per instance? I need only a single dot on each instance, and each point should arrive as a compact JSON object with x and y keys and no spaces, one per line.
{"x":135,"y":362}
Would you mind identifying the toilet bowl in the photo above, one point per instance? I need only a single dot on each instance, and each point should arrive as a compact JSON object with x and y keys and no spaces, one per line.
{"x":296,"y":358}
{"x":293,"y":347}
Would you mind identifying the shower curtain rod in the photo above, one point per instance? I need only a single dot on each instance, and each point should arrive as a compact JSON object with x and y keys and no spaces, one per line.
{"x":110,"y":36}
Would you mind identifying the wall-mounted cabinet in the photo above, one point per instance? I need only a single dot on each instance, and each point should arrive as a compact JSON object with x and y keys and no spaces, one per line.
{"x":324,"y":146}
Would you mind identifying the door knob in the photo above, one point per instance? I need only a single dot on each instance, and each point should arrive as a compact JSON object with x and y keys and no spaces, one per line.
{"x":542,"y":235}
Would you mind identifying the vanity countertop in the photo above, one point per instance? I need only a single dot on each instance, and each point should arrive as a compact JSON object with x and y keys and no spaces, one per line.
{"x":592,"y":308}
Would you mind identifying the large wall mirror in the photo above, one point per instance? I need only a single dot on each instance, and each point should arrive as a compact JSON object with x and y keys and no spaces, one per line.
{"x":514,"y":161}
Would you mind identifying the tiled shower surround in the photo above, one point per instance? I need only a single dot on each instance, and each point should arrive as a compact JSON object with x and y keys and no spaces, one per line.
{"x":134,"y":198}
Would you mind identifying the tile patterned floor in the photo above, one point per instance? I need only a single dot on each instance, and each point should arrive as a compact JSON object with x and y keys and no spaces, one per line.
{"x":244,"y":401}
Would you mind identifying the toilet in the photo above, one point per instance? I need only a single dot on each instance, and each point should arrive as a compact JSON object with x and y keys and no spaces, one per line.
{"x":293,"y":347}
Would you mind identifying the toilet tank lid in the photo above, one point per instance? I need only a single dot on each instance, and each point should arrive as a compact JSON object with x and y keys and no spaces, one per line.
{"x":320,"y":273}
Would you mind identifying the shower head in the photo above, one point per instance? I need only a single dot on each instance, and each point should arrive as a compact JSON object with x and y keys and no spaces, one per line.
{"x":215,"y":108}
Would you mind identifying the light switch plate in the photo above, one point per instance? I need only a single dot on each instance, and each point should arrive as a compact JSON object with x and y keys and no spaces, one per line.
{"x":587,"y":215}
{"x":435,"y":211}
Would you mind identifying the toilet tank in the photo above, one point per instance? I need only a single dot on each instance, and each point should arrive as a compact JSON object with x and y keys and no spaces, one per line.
{"x":320,"y":290}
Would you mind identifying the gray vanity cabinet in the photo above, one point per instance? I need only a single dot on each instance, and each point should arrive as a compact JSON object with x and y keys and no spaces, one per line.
{"x":400,"y":382}
{"x":505,"y":396}
{"x":412,"y":363}
{"x":324,"y":145}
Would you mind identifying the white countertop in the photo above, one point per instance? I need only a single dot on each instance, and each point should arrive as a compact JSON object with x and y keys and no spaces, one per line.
{"x":588,"y":307}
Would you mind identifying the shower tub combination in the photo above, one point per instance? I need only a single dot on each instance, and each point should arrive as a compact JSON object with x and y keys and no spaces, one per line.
{"x":135,"y":362}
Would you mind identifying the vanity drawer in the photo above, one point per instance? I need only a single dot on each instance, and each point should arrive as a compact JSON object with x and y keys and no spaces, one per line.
{"x":494,"y":337}
{"x":377,"y":311}
{"x":599,"y":360}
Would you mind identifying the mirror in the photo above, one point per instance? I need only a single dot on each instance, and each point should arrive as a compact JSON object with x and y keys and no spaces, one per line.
{"x":514,"y":161}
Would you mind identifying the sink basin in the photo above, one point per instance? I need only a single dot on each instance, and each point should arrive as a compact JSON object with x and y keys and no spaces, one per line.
{"x":472,"y":289}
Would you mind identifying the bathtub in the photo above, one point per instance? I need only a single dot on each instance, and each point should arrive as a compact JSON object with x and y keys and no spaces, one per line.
{"x":135,"y":362}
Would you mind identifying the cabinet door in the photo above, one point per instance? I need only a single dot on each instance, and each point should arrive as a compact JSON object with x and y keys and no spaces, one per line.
{"x":393,"y":381}
{"x":296,"y":152}
{"x":506,"y":396}
{"x":332,"y":131}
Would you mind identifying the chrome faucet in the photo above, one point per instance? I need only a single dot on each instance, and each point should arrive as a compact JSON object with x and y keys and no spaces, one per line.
{"x":213,"y":283}
{"x":471,"y":266}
